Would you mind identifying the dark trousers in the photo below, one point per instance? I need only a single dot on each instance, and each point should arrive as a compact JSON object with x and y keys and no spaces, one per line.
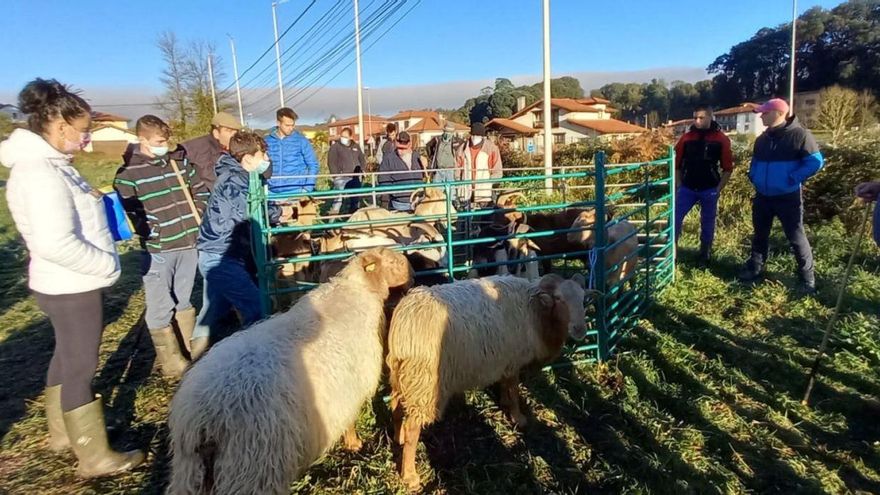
{"x":77,"y":320}
{"x":789,"y":209}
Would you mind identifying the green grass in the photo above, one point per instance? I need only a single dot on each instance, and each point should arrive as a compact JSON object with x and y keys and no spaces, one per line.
{"x":702,"y":398}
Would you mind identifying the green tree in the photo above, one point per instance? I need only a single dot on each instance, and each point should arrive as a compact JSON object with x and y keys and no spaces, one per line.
{"x":6,"y":126}
{"x":838,"y":111}
{"x":683,"y":97}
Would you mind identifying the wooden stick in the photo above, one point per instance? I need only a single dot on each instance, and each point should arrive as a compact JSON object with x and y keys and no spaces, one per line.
{"x":830,"y":327}
{"x":185,"y":188}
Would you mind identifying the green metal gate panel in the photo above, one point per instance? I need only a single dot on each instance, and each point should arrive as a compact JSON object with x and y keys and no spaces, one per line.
{"x":642,"y":194}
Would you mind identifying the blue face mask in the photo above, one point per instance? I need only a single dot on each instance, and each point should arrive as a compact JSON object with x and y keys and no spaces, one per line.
{"x":263,"y":166}
{"x":159,"y":150}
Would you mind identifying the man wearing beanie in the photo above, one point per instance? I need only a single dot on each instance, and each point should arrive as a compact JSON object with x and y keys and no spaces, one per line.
{"x":785,"y":156}
{"x":480,"y":160}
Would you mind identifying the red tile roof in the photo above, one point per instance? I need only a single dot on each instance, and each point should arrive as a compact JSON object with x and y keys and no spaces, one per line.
{"x":568,"y":104}
{"x":609,"y":126}
{"x":354,"y":120}
{"x":594,"y":100}
{"x":680,"y":122}
{"x":429,"y":124}
{"x":409,"y":114}
{"x":741,"y":108}
{"x":512,"y":125}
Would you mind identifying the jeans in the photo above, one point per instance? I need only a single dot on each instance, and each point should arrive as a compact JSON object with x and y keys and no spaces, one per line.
{"x":339,"y":184}
{"x":789,"y":208}
{"x":685,"y":200}
{"x":168,"y":283}
{"x":227,"y":284}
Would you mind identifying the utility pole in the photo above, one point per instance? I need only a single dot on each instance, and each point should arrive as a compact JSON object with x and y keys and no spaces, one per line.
{"x":278,"y":52}
{"x":793,"y":47}
{"x":360,"y":88}
{"x":369,"y":119}
{"x":237,"y":86}
{"x":211,"y":79}
{"x":548,"y":134}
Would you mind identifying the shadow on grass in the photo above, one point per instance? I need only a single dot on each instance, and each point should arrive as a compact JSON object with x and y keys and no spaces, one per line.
{"x":771,"y":375}
{"x":26,"y":352}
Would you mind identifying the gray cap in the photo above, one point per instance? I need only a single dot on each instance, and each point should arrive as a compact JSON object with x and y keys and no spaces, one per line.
{"x":224,"y":119}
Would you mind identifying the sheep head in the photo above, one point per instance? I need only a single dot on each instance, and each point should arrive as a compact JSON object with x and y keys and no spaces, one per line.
{"x":384,"y":269}
{"x":431,"y":201}
{"x":560,"y":304}
{"x":305,"y":211}
{"x":506,"y":201}
{"x":586,"y":220}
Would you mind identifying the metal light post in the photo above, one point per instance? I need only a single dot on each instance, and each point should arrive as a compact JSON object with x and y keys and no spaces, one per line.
{"x":360,"y":89}
{"x":548,"y":134}
{"x":278,"y":51}
{"x":793,"y":49}
{"x":237,"y":86}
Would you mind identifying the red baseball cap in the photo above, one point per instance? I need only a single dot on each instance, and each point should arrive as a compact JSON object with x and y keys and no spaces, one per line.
{"x":777,"y":104}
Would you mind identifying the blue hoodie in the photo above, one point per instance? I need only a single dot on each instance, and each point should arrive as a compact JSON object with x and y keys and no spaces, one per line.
{"x":291,"y":156}
{"x":784,"y":158}
{"x":226,"y":228}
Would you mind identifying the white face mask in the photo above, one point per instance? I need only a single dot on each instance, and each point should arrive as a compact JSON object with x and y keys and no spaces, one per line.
{"x":344,"y":141}
{"x":476,"y":140}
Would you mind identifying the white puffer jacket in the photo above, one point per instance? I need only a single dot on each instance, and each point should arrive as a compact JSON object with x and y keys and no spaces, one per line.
{"x":60,"y":216}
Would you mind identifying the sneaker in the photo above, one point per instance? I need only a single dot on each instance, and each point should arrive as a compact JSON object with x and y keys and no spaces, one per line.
{"x":807,"y":284}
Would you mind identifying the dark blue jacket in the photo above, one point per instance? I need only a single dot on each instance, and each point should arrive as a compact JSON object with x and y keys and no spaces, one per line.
{"x":784,"y":158}
{"x":291,"y":156}
{"x":225,"y":227}
{"x":391,"y":162}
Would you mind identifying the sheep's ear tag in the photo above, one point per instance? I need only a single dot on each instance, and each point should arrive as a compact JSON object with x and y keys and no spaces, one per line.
{"x":370,"y":267}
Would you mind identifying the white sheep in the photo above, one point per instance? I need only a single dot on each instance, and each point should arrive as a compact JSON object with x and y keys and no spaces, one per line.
{"x":446,"y":339}
{"x":263,"y":405}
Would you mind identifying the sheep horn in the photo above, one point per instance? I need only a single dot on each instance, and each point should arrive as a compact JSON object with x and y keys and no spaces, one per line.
{"x":412,"y":197}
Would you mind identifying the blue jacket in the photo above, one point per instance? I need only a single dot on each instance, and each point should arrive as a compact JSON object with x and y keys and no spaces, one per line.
{"x":784,"y":158}
{"x":290,"y":156}
{"x":226,"y":227}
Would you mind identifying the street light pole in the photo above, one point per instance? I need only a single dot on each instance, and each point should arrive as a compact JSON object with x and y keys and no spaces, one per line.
{"x":548,"y":135}
{"x":360,"y":89}
{"x":211,"y":80}
{"x":237,"y":86}
{"x":278,"y":52}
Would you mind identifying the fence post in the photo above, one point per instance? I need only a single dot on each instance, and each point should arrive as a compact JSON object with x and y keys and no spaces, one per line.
{"x":258,"y":217}
{"x":599,"y":246}
{"x":649,"y":259}
{"x":449,"y":254}
{"x":670,"y":222}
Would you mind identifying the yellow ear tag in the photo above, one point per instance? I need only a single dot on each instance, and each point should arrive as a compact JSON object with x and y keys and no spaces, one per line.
{"x":370,"y":268}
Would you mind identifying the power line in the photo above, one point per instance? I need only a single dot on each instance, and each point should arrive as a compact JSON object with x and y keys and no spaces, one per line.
{"x":332,"y":56}
{"x":272,"y":46}
{"x":321,"y":20}
{"x":311,"y":49}
{"x":365,"y":50}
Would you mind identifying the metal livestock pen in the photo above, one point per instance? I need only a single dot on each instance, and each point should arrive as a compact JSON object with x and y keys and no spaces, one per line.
{"x":641,"y":193}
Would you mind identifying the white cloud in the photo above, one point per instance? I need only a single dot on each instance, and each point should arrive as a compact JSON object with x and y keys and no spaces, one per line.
{"x":260,"y":104}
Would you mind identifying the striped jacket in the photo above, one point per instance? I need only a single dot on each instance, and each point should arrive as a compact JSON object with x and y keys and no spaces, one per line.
{"x":155,"y":202}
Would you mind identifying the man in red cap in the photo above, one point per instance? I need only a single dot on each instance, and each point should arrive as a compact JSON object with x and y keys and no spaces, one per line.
{"x":785,"y":156}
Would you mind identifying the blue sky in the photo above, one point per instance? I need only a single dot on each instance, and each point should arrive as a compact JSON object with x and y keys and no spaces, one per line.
{"x":111,"y":45}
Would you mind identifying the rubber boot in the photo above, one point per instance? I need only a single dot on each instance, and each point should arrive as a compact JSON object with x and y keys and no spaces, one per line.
{"x":186,"y":322}
{"x":752,"y":271}
{"x":58,"y":440}
{"x":88,"y":437}
{"x":199,"y":346}
{"x":171,"y":361}
{"x":705,"y":256}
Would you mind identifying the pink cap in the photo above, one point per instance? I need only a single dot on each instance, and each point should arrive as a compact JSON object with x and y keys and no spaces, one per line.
{"x":777,"y":104}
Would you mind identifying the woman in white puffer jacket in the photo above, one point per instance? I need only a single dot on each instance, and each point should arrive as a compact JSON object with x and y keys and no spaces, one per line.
{"x":72,"y":258}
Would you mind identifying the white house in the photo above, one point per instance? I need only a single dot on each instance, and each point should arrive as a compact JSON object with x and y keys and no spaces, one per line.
{"x":101,"y":118}
{"x":375,"y":125}
{"x":110,"y":139}
{"x":572,"y":120}
{"x":740,"y":119}
{"x":13,"y":112}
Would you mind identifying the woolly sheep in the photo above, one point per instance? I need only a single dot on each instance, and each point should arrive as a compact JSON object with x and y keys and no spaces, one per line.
{"x":447,"y":339}
{"x":263,"y":405}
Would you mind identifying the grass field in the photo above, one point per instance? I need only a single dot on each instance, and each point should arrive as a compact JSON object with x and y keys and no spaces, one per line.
{"x":702,"y":398}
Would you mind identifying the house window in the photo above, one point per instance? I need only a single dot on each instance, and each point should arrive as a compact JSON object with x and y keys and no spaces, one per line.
{"x":559,"y":138}
{"x":554,"y":118}
{"x":811,"y":102}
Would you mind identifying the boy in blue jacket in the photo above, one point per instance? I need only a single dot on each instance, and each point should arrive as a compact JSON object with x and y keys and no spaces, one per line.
{"x":224,"y":239}
{"x":294,"y":164}
{"x":785,"y":156}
